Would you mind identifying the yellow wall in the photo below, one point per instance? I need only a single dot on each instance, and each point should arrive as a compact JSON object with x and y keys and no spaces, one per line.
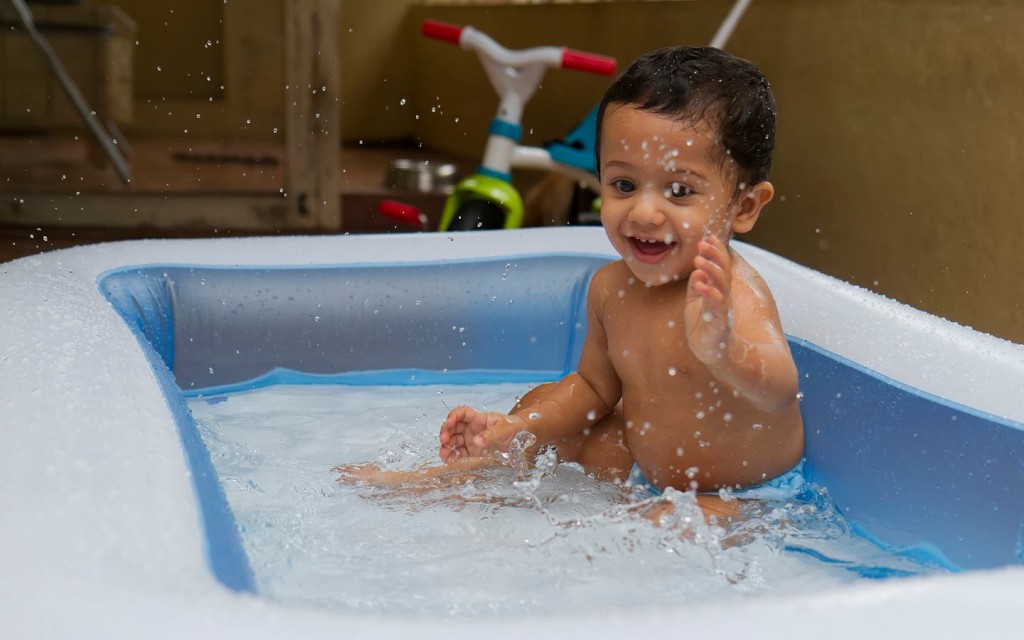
{"x":900,"y":149}
{"x":899,"y":163}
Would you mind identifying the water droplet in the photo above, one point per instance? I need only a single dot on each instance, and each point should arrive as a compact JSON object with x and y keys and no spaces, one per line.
{"x":671,"y":371}
{"x":757,"y":426}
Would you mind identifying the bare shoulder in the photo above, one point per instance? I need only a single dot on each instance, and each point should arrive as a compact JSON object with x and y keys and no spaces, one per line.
{"x":610,"y":277}
{"x":749,"y":286}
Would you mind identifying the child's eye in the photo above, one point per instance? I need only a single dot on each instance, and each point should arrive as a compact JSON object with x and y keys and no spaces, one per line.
{"x":622,"y":185}
{"x":678,"y":190}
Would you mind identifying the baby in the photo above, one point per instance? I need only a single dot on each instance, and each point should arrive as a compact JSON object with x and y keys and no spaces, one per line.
{"x":686,"y":379}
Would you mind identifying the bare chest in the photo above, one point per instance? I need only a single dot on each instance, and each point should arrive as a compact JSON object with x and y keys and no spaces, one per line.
{"x":647,"y":341}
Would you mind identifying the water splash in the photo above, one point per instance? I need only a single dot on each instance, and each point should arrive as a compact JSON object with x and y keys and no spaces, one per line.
{"x":530,"y":538}
{"x":516,"y":456}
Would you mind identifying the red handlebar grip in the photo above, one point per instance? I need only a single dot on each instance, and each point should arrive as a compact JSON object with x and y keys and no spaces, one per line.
{"x":442,"y":30}
{"x":402,"y":212}
{"x":591,"y":62}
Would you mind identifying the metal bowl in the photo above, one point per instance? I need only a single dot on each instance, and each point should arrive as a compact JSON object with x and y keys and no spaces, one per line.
{"x":422,"y":176}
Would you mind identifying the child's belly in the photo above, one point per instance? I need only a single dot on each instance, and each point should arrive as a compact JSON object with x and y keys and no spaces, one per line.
{"x":711,"y":444}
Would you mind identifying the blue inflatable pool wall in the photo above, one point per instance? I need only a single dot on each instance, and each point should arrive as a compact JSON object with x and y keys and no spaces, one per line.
{"x":915,"y":471}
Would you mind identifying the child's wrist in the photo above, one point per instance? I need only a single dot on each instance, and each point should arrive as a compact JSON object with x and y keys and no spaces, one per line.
{"x":518,"y":423}
{"x":730,"y":357}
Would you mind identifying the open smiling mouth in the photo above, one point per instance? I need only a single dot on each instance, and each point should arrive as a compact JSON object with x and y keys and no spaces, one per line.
{"x":650,"y":251}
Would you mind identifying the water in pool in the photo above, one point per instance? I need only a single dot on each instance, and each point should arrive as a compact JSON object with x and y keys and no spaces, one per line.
{"x":494,"y":544}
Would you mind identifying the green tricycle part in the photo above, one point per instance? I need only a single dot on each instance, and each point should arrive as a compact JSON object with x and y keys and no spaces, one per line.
{"x":486,"y":191}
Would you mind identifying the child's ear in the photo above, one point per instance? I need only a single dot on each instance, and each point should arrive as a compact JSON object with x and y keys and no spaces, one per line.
{"x":751,"y":203}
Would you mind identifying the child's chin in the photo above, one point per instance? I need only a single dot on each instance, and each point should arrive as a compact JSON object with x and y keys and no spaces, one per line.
{"x":653,"y":277}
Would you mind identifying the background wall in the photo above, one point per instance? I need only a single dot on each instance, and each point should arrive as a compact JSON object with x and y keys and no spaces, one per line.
{"x":899,"y":160}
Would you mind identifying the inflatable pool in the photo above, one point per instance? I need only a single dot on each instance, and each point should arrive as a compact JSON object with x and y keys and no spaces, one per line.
{"x":114,"y":524}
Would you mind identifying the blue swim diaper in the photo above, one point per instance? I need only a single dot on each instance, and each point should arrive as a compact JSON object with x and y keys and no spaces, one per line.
{"x":781,"y":487}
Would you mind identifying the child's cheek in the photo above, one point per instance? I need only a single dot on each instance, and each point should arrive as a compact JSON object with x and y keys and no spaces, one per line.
{"x":718,"y":221}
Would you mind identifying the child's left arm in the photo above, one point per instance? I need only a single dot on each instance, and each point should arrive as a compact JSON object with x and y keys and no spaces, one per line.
{"x":733,"y":327}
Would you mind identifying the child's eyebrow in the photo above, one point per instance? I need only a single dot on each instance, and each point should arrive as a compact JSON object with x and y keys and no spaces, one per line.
{"x":622,"y":164}
{"x":690,"y":172}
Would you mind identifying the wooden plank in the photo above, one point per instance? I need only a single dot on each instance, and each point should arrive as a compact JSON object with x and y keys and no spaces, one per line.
{"x":158,"y":211}
{"x":197,"y":213}
{"x":312,"y":130}
{"x":254,"y":67}
{"x":100,"y":18}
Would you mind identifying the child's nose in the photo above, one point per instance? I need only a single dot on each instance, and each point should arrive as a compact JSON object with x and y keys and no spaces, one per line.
{"x":647,"y":209}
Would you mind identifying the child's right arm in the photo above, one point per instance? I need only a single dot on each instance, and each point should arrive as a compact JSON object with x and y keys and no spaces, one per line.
{"x":566,"y":408}
{"x":468,"y":433}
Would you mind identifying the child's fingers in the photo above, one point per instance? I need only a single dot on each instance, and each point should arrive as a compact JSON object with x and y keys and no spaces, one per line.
{"x":712,"y":244}
{"x":714,"y":274}
{"x":462,"y":413}
{"x":713,"y":249}
{"x":457,"y":441}
{"x":715,"y":263}
{"x":449,"y":455}
{"x":714,"y":300}
{"x":455,"y":422}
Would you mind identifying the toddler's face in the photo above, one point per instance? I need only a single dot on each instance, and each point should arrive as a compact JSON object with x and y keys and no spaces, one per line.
{"x":662,"y":190}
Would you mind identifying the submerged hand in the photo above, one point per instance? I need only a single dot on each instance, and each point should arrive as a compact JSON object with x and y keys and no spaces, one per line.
{"x":426,"y":477}
{"x":372,"y":474}
{"x":467,"y":432}
{"x":708,"y":325}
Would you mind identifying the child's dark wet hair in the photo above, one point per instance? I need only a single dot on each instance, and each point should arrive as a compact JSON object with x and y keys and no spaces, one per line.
{"x":704,"y":84}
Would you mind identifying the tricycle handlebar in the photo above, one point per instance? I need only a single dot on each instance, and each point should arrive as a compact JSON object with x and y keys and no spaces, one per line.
{"x":470,"y":38}
{"x":442,"y":31}
{"x":589,"y":62}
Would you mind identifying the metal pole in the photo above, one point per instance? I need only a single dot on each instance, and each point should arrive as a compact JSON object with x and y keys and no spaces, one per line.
{"x":71,"y":89}
{"x":729,"y":24}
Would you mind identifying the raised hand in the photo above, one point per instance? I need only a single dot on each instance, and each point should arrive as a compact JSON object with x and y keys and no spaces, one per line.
{"x":467,"y":432}
{"x":708,"y":320}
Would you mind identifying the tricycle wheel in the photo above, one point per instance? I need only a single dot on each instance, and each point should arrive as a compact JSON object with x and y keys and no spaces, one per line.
{"x":473,"y":215}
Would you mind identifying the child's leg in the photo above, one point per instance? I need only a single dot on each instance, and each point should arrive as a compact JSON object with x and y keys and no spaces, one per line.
{"x":601,"y":450}
{"x":370,"y":473}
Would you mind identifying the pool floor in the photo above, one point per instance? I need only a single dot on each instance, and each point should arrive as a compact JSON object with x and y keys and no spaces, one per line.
{"x":488,"y":544}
